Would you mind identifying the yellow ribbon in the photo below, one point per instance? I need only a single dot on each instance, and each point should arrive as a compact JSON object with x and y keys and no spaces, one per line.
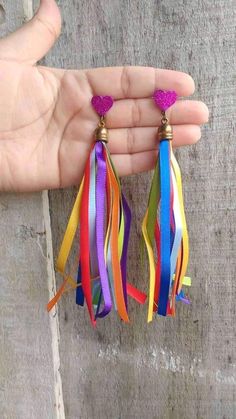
{"x":185,"y":239}
{"x":151,"y":267}
{"x":70,"y":233}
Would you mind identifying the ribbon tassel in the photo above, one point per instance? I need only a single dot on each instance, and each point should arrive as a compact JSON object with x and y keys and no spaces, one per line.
{"x":165,"y":234}
{"x":104,"y":218}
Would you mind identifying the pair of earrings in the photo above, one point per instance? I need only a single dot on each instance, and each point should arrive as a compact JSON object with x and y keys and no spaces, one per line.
{"x":104,"y":217}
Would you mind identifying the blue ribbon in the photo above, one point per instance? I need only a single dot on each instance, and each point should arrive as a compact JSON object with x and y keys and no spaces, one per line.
{"x":165,"y":229}
{"x":79,"y":290}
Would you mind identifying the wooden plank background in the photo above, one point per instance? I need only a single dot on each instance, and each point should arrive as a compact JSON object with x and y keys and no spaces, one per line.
{"x":173,"y":368}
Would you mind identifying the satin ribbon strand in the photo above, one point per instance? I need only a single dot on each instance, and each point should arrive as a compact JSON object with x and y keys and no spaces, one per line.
{"x":148,"y":227}
{"x":177,"y":238}
{"x":151,"y":267}
{"x":184,"y":224}
{"x":100,"y":241}
{"x":120,"y":300}
{"x":124,"y":256}
{"x":69,"y":233}
{"x":85,"y":244}
{"x":165,"y":208}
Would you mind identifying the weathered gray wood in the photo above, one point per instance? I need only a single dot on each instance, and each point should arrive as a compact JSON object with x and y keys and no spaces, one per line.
{"x":26,"y":378}
{"x":29,"y":380}
{"x":173,"y":368}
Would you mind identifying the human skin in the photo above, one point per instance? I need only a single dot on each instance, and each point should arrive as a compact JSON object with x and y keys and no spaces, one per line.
{"x":47,"y":121}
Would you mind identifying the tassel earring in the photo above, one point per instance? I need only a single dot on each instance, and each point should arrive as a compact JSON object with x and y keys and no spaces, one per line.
{"x":167,"y":231}
{"x":103,"y":215}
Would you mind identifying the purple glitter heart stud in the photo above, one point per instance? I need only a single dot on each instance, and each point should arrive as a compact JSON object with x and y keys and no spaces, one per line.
{"x":164,"y":99}
{"x":102,"y":104}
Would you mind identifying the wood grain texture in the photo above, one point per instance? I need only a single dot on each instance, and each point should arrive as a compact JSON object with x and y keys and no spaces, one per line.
{"x":28,"y":383}
{"x":173,"y":368}
{"x":26,"y":367}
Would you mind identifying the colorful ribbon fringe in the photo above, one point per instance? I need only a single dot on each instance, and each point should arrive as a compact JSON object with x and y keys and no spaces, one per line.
{"x":104,"y":217}
{"x":169,"y":235}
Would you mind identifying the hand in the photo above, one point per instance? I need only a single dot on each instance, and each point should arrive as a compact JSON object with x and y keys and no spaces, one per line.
{"x":47,"y":122}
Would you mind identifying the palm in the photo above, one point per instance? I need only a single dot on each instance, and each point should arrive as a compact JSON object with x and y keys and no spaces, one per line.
{"x":46,"y":128}
{"x":47,"y":122}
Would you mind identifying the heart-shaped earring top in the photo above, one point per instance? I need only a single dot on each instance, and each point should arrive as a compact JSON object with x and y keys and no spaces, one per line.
{"x":102,"y":104}
{"x":164,"y":99}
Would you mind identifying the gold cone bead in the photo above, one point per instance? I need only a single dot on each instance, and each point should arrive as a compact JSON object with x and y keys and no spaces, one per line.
{"x":101,"y":134}
{"x":165,"y":132}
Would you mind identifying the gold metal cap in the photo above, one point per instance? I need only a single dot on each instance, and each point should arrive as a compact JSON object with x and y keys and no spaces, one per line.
{"x":101,"y":134}
{"x":165,"y":132}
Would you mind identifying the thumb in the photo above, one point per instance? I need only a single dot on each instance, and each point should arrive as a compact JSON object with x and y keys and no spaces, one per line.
{"x":33,"y":40}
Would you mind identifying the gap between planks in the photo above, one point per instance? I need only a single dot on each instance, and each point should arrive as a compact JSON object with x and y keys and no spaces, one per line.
{"x":53,"y":316}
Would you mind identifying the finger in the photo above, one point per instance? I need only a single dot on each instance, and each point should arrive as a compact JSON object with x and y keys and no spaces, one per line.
{"x":137,"y":82}
{"x":33,"y":40}
{"x":130,"y":164}
{"x":137,"y":140}
{"x":143,"y":113}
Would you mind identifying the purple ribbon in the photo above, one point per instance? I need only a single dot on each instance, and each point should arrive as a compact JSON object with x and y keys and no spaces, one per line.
{"x":100,"y":213}
{"x":127,"y":213}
